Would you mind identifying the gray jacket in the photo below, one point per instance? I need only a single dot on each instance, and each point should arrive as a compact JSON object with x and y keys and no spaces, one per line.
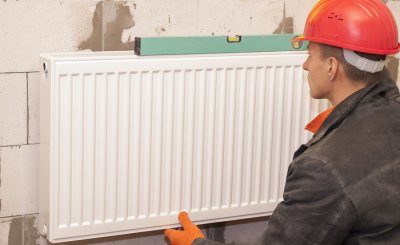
{"x":343,"y":186}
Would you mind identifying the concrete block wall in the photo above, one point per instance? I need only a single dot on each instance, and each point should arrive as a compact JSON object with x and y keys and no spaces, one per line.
{"x":33,"y":27}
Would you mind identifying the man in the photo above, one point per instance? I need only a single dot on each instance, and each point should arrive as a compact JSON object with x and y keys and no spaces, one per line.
{"x":343,"y":186}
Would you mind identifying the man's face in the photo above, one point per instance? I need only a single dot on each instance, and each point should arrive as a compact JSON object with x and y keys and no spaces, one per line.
{"x":318,"y":80}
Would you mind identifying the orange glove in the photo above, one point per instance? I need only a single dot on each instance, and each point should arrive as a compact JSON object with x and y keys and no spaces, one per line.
{"x":189,"y":233}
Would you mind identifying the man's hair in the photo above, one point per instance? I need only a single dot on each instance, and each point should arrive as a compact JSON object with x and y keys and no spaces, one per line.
{"x":351,"y":71}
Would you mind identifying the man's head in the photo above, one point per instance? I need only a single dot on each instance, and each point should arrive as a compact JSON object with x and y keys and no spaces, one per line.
{"x":349,"y":41}
{"x":329,"y":69}
{"x":351,"y":71}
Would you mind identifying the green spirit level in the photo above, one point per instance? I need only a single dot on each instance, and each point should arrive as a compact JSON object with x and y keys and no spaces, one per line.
{"x":213,"y":44}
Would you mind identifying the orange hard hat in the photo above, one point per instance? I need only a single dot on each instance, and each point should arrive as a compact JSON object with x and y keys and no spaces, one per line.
{"x":365,"y":26}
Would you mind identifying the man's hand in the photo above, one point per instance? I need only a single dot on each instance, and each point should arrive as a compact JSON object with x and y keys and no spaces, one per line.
{"x":186,"y":236}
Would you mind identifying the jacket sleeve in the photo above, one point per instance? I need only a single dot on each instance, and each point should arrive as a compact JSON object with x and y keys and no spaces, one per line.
{"x":315,"y":208}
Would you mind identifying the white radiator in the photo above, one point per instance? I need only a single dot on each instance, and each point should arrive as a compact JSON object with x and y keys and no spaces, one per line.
{"x":128,"y":142}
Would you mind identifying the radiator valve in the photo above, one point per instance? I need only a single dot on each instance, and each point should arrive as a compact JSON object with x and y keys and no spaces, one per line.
{"x":43,"y":230}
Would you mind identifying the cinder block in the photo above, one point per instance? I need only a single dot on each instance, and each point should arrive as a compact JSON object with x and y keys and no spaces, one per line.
{"x":23,"y":230}
{"x":13,"y":109}
{"x":19,"y":180}
{"x":168,"y":18}
{"x":208,"y":17}
{"x":239,"y":17}
{"x":47,"y":26}
{"x":33,"y":107}
{"x":4,"y":230}
{"x":18,"y":230}
{"x":299,"y":14}
{"x":394,"y":6}
{"x":398,"y":74}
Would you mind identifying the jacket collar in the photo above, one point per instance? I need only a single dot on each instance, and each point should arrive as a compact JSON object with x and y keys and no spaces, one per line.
{"x":386,"y":89}
{"x":316,"y":123}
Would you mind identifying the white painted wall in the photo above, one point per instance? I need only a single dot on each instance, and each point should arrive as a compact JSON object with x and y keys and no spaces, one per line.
{"x":29,"y":28}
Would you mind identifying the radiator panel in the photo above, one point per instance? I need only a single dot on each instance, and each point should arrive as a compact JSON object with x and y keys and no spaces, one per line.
{"x":133,"y":141}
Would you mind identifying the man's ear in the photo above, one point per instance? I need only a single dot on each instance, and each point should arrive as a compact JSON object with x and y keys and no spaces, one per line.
{"x":332,"y":67}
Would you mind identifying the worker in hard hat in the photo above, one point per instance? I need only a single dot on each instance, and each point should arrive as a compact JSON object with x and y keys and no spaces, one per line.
{"x":343,"y":186}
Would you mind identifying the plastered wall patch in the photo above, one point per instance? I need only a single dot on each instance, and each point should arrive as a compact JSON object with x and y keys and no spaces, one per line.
{"x":286,"y":25}
{"x":393,"y":67}
{"x":109,"y":21}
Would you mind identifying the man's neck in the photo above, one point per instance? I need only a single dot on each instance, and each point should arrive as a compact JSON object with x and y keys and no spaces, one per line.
{"x":344,"y":90}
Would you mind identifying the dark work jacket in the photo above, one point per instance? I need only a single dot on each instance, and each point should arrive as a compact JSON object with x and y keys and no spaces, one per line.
{"x":343,"y":186}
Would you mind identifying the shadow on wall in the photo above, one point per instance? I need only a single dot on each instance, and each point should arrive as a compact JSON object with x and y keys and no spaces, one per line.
{"x":109,"y":21}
